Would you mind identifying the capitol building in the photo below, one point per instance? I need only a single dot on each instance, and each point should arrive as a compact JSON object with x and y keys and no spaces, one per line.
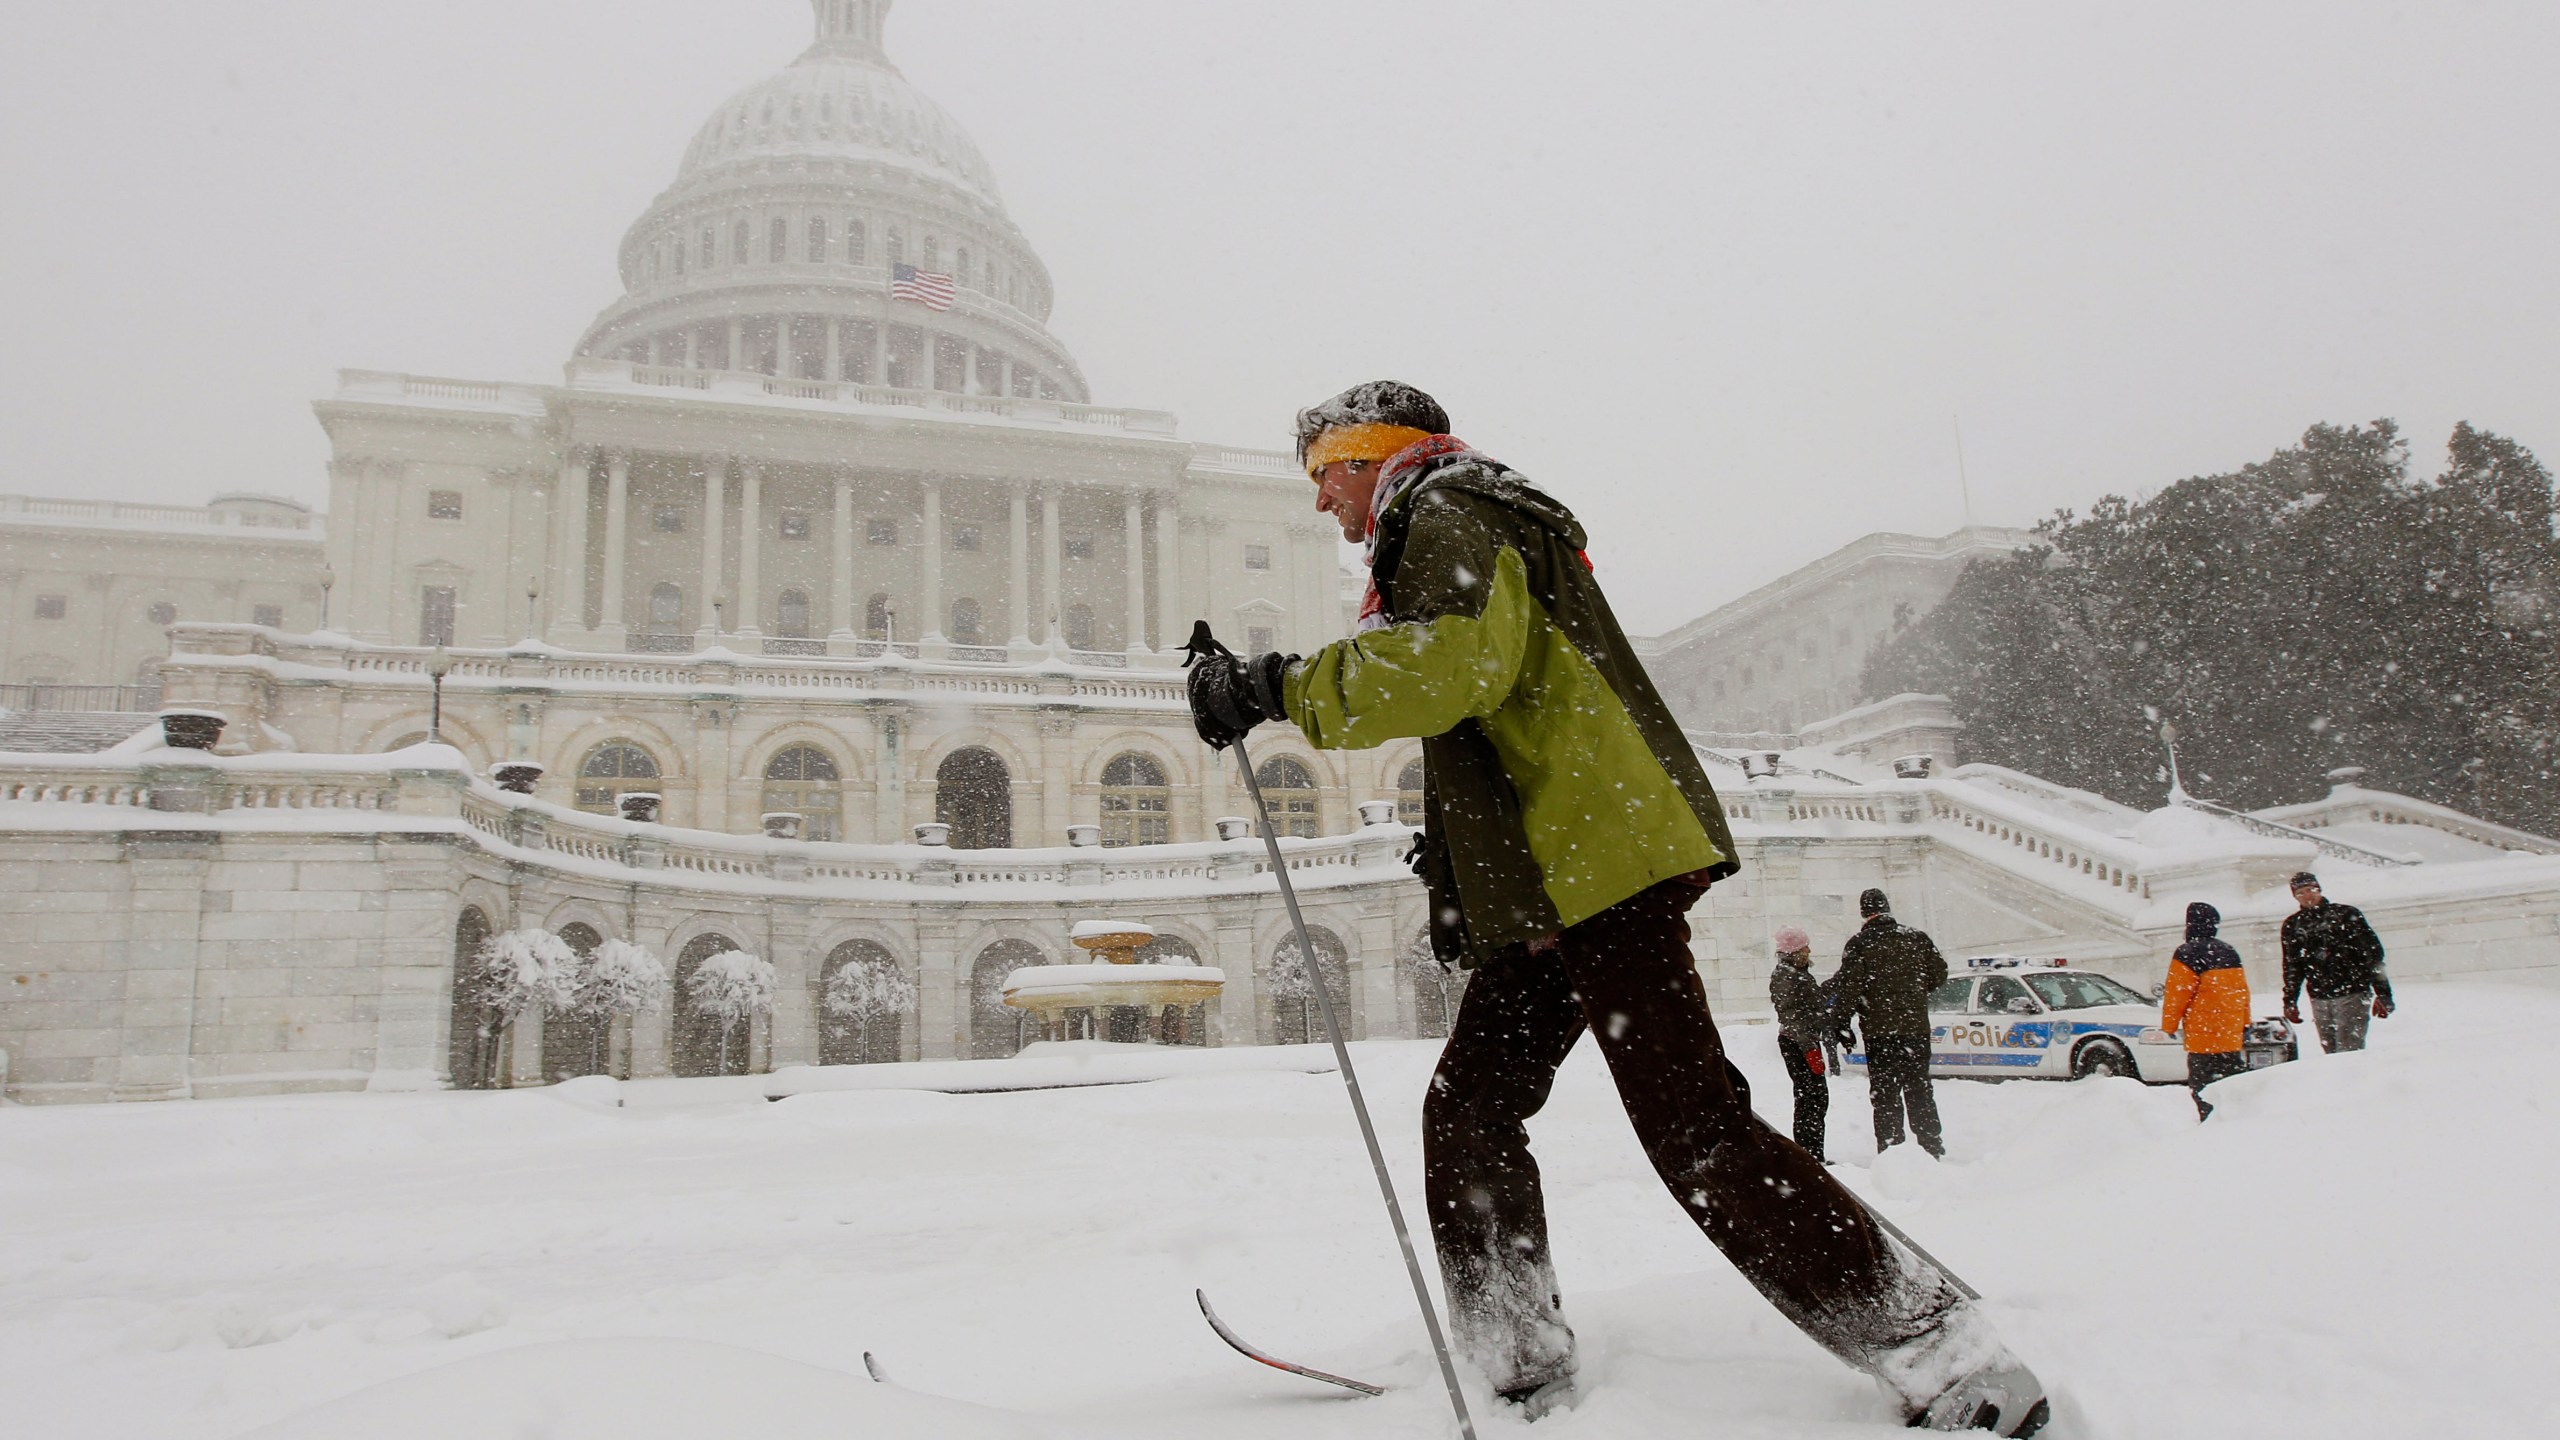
{"x":819,"y":613}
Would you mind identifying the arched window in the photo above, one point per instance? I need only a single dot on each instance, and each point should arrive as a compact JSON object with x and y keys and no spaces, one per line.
{"x":472,"y":1053}
{"x":897,"y":247}
{"x":611,"y":769}
{"x":791,"y":617}
{"x":675,"y":252}
{"x":869,"y":1036}
{"x":973,"y":794}
{"x":876,"y":617}
{"x":1137,"y":806}
{"x":932,"y":252}
{"x":577,"y":1044}
{"x":803,"y":780}
{"x":856,"y":243}
{"x":1079,"y":627}
{"x":778,"y":241}
{"x":960,"y":266}
{"x":1409,"y":793}
{"x":742,"y":240}
{"x":1289,"y":789}
{"x":1295,"y":1016}
{"x":996,"y":1029}
{"x":666,"y":606}
{"x":964,"y":622}
{"x":817,"y":239}
{"x":710,"y":248}
{"x":699,"y":1045}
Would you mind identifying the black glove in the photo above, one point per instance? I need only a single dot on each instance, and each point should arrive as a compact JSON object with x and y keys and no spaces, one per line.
{"x":1230,"y":696}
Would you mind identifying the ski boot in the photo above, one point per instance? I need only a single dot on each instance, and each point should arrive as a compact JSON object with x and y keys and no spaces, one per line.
{"x":2003,"y":1398}
{"x":1537,"y":1402}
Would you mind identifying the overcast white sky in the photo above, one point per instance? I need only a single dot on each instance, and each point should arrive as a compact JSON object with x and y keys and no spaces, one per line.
{"x":1720,"y":275}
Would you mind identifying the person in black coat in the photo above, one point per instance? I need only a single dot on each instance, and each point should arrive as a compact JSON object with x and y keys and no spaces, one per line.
{"x":1804,"y":1024}
{"x":2332,"y":950}
{"x":1886,"y":973}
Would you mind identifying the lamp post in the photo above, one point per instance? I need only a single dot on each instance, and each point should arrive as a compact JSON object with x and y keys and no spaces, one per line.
{"x":532,"y":607}
{"x":328,"y":581}
{"x":439,"y":665}
{"x":2169,"y":741}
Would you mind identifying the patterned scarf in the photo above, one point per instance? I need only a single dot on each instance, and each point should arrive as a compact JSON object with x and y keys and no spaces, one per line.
{"x":1395,"y":477}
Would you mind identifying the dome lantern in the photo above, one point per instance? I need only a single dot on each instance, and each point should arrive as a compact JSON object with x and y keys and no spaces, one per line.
{"x":850,"y":30}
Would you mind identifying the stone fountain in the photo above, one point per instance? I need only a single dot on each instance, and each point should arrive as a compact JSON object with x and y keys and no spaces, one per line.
{"x":1115,"y":997}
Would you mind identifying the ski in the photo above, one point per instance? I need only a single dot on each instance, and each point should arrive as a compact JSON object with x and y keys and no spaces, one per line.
{"x":1236,"y":1342}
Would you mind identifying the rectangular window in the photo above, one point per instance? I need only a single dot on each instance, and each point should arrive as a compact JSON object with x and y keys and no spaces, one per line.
{"x":882,"y":532}
{"x":1257,"y":557}
{"x":270,"y":616}
{"x":795,"y":526}
{"x":1079,"y":547}
{"x":435,"y":615}
{"x":444,"y":504}
{"x":667,"y":520}
{"x":51,"y":607}
{"x":964,"y":537}
{"x":1258,"y":641}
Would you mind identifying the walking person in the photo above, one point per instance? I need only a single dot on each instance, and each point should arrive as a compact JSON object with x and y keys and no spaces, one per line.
{"x":2330,"y":949}
{"x":1804,"y":1023}
{"x":1484,"y":633}
{"x":2206,"y":1001}
{"x":1886,"y":973}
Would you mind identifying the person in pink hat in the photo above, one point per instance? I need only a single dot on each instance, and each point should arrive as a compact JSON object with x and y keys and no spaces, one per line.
{"x":1804,"y":1021}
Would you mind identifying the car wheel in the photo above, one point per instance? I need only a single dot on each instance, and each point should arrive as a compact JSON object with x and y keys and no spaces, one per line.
{"x":2103,"y":1057}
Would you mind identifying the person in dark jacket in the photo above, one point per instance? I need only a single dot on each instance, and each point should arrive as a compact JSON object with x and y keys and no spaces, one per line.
{"x":1804,"y":1023}
{"x":1886,"y":973}
{"x":2206,"y":1001}
{"x":1568,"y":827}
{"x":2330,"y":949}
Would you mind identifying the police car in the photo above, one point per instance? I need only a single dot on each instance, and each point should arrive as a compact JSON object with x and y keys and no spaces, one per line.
{"x":2006,"y":1015}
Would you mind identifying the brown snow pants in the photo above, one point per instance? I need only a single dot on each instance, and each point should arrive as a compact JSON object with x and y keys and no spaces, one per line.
{"x":1627,"y":976}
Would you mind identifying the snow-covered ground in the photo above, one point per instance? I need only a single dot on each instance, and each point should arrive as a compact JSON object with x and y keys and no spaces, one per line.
{"x":2359,"y":1246}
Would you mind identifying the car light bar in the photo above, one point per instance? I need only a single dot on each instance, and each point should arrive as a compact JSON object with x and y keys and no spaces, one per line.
{"x":2012,"y":962}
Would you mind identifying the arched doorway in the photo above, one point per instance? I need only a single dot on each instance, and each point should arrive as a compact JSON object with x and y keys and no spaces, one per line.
{"x":697,"y":1038}
{"x":1409,"y":793}
{"x":472,"y":1050}
{"x":1289,"y":792}
{"x":577,"y":1044}
{"x":973,"y":794}
{"x":995,"y":1028}
{"x":874,"y":1039}
{"x":1295,"y":1018}
{"x":803,"y":779}
{"x":1436,"y":987}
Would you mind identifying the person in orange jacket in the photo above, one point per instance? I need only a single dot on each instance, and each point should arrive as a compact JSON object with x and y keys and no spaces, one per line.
{"x":2208,"y":999}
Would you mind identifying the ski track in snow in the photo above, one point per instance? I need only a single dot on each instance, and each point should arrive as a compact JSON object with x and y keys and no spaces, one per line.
{"x":2354,"y":1247}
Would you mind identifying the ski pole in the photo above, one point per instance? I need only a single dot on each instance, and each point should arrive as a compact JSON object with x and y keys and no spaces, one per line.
{"x":1359,"y":1106}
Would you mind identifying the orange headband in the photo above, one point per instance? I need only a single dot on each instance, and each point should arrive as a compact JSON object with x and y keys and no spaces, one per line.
{"x":1361,"y":442}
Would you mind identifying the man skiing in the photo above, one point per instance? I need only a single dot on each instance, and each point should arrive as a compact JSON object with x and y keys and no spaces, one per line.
{"x":1804,"y":1023}
{"x":1886,"y":973}
{"x":1568,"y":828}
{"x":2332,"y":949}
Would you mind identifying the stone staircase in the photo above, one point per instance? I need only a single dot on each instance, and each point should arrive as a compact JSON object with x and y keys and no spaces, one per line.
{"x":67,"y":732}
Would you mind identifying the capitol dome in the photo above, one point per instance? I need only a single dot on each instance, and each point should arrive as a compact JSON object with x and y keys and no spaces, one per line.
{"x":798,"y":207}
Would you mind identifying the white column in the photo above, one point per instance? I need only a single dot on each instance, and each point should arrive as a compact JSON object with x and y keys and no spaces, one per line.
{"x":750,"y":548}
{"x":693,"y":347}
{"x":569,"y":522}
{"x":880,"y":349}
{"x":657,"y":349}
{"x":1134,"y":567}
{"x":737,"y":343}
{"x":840,"y":594}
{"x":1018,"y":586}
{"x":617,"y":533}
{"x":1171,"y":624}
{"x":1004,"y":366}
{"x":715,"y":505}
{"x":835,"y":348}
{"x":968,"y":367}
{"x":1052,"y":618}
{"x":929,"y":626}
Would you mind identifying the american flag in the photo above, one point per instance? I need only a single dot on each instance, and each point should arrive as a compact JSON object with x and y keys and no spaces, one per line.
{"x":930,"y":288}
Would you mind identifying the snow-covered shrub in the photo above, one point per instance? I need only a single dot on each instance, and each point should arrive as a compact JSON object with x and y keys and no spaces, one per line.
{"x":729,"y":989}
{"x":866,"y":991}
{"x":616,"y":979}
{"x":518,"y":973}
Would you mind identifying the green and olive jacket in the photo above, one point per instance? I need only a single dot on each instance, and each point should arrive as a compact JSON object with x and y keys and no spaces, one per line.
{"x":1557,"y":783}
